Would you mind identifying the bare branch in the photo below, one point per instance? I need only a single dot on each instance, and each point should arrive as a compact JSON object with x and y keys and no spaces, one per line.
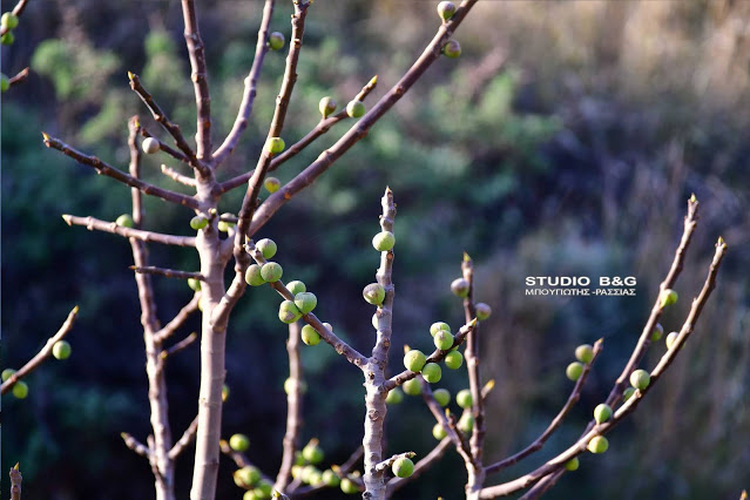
{"x":359,"y":130}
{"x":163,"y":120}
{"x":420,"y":467}
{"x":185,"y":440}
{"x":93,"y":224}
{"x":19,"y":77}
{"x":43,"y":353}
{"x":105,"y":169}
{"x":170,"y":328}
{"x":169,"y":273}
{"x":179,"y":346}
{"x":294,"y":409}
{"x":321,"y":128}
{"x":199,"y":76}
{"x":447,"y":421}
{"x":135,"y":445}
{"x":251,"y":84}
{"x":15,"y":482}
{"x":556,"y":422}
{"x":178,"y":177}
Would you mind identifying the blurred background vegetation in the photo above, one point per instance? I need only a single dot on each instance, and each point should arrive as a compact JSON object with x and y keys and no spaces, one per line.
{"x":565,"y":141}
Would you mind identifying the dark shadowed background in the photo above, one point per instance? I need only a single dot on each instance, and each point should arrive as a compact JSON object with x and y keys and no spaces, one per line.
{"x":564,"y":141}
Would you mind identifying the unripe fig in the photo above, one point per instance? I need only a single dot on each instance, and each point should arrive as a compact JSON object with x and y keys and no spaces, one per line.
{"x":326,"y":106}
{"x":250,"y":495}
{"x":20,"y":390}
{"x":150,"y":145}
{"x":439,"y":325}
{"x":4,"y":82}
{"x":239,"y":442}
{"x":275,"y":145}
{"x":125,"y":220}
{"x":657,"y":333}
{"x":272,"y":184}
{"x":312,"y":452}
{"x":628,"y":393}
{"x":349,"y":487}
{"x":355,"y":109}
{"x":640,"y":379}
{"x":452,"y":49}
{"x":394,"y":397}
{"x":668,"y":297}
{"x":288,"y":312}
{"x":403,"y":467}
{"x":574,"y":370}
{"x":584,"y":353}
{"x":290,"y":384}
{"x":225,"y":392}
{"x":414,"y":360}
{"x":7,"y":373}
{"x":8,"y":38}
{"x":438,"y":432}
{"x":61,"y":349}
{"x":225,"y":225}
{"x":198,"y":222}
{"x":267,"y":247}
{"x":443,"y":340}
{"x":466,"y":423}
{"x":383,"y":241}
{"x":330,"y":478}
{"x":454,"y":360}
{"x":305,"y":302}
{"x":464,"y":399}
{"x":309,"y":335}
{"x":671,"y":339}
{"x":264,"y":489}
{"x":296,"y":287}
{"x":598,"y":444}
{"x":253,"y":276}
{"x":460,"y":287}
{"x":314,"y":477}
{"x":374,"y":321}
{"x":9,"y":20}
{"x":298,"y":459}
{"x":246,"y":477}
{"x":446,"y":10}
{"x":412,"y":387}
{"x":276,"y":40}
{"x":374,"y":294}
{"x":271,"y":271}
{"x":432,"y":373}
{"x":442,"y":396}
{"x":329,"y":326}
{"x":483,"y":311}
{"x":602,"y":413}
{"x":572,"y":464}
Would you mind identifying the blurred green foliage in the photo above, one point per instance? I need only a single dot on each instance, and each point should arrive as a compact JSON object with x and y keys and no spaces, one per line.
{"x":564,"y":158}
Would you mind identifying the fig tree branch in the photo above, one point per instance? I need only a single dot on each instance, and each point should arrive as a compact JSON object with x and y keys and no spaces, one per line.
{"x":179,"y":346}
{"x":177,"y":155}
{"x":93,"y":224}
{"x":251,"y":85}
{"x":359,"y":130}
{"x":15,"y":482}
{"x":556,"y":422}
{"x":169,"y":273}
{"x":421,"y":466}
{"x":170,"y":328}
{"x":199,"y":77}
{"x":19,"y":77}
{"x":164,"y":121}
{"x":321,"y":128}
{"x":103,"y":168}
{"x":43,"y":354}
{"x":294,"y":409}
{"x":178,"y":177}
{"x":185,"y":440}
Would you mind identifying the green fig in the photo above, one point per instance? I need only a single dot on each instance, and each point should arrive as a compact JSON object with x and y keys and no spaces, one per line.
{"x":246,"y":477}
{"x":272,"y":184}
{"x":464,"y":399}
{"x":460,"y":287}
{"x":574,"y":371}
{"x":312,"y":452}
{"x":267,"y":247}
{"x":296,"y":287}
{"x":414,"y":360}
{"x":394,"y":397}
{"x":439,"y":325}
{"x":355,"y":109}
{"x":9,"y":20}
{"x":20,"y":390}
{"x":443,"y":340}
{"x":432,"y":373}
{"x":640,"y":379}
{"x":442,"y":396}
{"x":271,"y":271}
{"x":446,"y":10}
{"x":438,"y":431}
{"x":671,"y":339}
{"x":309,"y":335}
{"x":125,"y":220}
{"x":403,"y":467}
{"x":602,"y":413}
{"x":198,"y":222}
{"x":572,"y":464}
{"x":598,"y":444}
{"x":584,"y":353}
{"x":240,"y":443}
{"x":374,"y":294}
{"x":327,"y":106}
{"x":150,"y":145}
{"x":483,"y":311}
{"x":61,"y":349}
{"x":275,"y":145}
{"x":454,"y":360}
{"x":253,"y":276}
{"x":668,"y":297}
{"x":657,"y":333}
{"x":305,"y":302}
{"x":288,"y":312}
{"x":383,"y":241}
{"x":412,"y":387}
{"x":276,"y":40}
{"x":452,"y":49}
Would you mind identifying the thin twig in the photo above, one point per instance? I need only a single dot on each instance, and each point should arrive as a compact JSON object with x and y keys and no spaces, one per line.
{"x":178,"y":177}
{"x":43,"y":353}
{"x":15,"y":482}
{"x":294,"y":409}
{"x":170,"y":328}
{"x":321,"y":128}
{"x":359,"y":130}
{"x":185,"y":440}
{"x":556,"y":422}
{"x":447,"y":422}
{"x":179,"y":346}
{"x":164,"y":121}
{"x":199,"y":77}
{"x":251,"y":84}
{"x":94,"y":224}
{"x":135,"y":445}
{"x":169,"y":273}
{"x":103,"y":168}
{"x":19,"y":77}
